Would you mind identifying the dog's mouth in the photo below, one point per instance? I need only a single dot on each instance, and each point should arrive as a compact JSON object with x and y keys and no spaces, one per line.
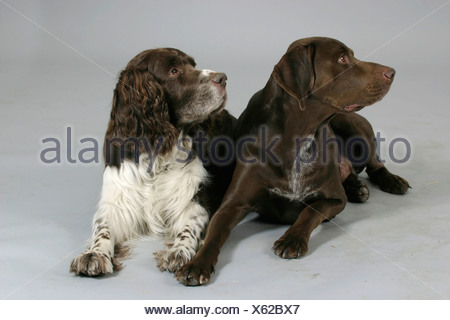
{"x":372,"y":94}
{"x":368,"y":102}
{"x":353,"y":107}
{"x":222,"y":105}
{"x":222,"y":92}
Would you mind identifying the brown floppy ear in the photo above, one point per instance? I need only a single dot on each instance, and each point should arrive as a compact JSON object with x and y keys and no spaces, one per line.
{"x":295,"y":73}
{"x":139,"y":117}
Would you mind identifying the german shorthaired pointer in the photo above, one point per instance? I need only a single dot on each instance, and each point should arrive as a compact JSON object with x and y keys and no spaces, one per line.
{"x":293,"y":168}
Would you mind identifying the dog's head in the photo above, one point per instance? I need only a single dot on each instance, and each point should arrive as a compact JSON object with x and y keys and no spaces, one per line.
{"x":326,"y":69}
{"x":191,"y":94}
{"x":159,"y":93}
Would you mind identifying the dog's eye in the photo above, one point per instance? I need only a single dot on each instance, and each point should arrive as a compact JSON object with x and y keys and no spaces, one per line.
{"x":173,"y":71}
{"x":343,"y":59}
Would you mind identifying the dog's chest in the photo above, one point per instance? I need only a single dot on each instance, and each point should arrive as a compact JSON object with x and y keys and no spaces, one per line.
{"x":298,"y":182}
{"x":174,"y":177}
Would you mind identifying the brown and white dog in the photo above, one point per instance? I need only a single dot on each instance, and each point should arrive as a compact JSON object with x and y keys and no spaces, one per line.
{"x":308,"y":101}
{"x":152,"y":179}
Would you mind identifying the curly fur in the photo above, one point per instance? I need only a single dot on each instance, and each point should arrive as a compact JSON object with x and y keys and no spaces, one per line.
{"x":146,"y":191}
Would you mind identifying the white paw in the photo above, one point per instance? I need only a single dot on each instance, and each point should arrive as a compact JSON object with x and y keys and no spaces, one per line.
{"x":92,"y":264}
{"x":173,"y":258}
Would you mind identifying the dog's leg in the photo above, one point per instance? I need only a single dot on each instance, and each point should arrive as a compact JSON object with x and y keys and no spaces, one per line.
{"x":99,"y":257}
{"x":241,"y":196}
{"x":351,"y":125}
{"x":189,"y":231}
{"x":355,"y":189}
{"x":379,"y":174}
{"x":116,"y":220}
{"x":387,"y":181}
{"x":294,"y":243}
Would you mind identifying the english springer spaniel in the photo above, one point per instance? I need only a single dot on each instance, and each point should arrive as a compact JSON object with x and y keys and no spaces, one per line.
{"x":154,"y":183}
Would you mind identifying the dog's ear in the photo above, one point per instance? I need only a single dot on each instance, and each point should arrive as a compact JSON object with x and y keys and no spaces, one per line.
{"x":140,"y":113}
{"x":295,"y":72}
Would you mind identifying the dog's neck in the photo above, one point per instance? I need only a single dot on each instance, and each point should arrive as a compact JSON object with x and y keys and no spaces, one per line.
{"x":316,"y":113}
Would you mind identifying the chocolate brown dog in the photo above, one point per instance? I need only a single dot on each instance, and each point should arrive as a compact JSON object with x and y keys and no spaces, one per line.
{"x":292,"y":167}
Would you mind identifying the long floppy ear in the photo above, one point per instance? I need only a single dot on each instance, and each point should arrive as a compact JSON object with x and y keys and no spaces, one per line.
{"x":139,"y":114}
{"x":295,"y":73}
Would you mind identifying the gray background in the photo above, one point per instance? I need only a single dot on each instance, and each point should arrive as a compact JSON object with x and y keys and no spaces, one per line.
{"x":58,"y":62}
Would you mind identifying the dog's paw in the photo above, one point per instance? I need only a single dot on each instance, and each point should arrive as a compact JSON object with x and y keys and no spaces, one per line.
{"x":92,"y":264}
{"x":171,"y":259}
{"x":194,"y":274}
{"x":355,"y":189}
{"x":395,"y":184}
{"x":290,"y":247}
{"x":389,"y":182}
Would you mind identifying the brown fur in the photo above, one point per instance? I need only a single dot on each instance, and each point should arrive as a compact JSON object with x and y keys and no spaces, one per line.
{"x":152,"y":104}
{"x":317,"y":82}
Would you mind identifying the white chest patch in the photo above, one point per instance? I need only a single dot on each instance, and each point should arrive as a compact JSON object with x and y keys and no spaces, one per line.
{"x":303,"y":165}
{"x":152,"y":201}
{"x":169,"y":188}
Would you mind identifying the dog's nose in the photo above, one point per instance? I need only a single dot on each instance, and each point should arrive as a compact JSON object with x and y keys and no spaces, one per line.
{"x":219,"y":78}
{"x":389,"y":74}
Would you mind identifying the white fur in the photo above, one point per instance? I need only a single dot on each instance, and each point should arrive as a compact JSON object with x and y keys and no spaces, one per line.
{"x":298,"y":190}
{"x":207,"y":72}
{"x":137,"y":202}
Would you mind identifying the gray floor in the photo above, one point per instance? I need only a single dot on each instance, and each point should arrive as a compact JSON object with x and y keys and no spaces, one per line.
{"x":392,"y":247}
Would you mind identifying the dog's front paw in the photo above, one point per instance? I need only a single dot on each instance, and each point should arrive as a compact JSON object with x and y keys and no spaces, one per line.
{"x":194,"y":273}
{"x":290,"y":247}
{"x":355,"y":189}
{"x":171,"y":259}
{"x":92,"y":264}
{"x":395,"y":184}
{"x":389,"y":182}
